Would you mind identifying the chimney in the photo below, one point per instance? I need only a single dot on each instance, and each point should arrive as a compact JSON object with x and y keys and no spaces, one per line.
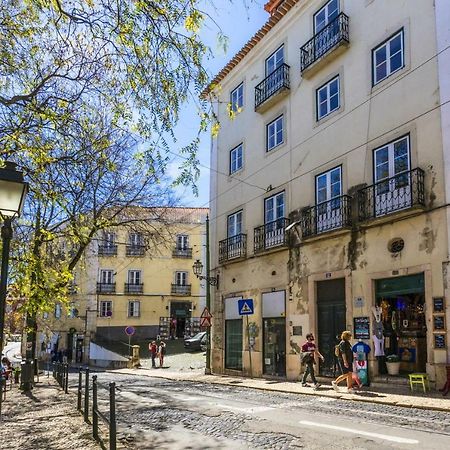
{"x":272,"y":5}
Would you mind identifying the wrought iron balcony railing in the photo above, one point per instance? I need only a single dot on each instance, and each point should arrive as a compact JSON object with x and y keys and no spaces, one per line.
{"x":335,"y":33}
{"x":134,"y":288}
{"x":106,"y":288}
{"x":107,"y":250}
{"x":135,"y":250}
{"x":182,"y":253}
{"x":181,"y":289}
{"x":330,"y":215}
{"x":397,"y":193}
{"x":233,"y":248}
{"x":277,"y":81}
{"x":271,"y":235}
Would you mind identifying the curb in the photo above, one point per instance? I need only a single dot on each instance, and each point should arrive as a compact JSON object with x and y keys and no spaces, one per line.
{"x":348,"y":397}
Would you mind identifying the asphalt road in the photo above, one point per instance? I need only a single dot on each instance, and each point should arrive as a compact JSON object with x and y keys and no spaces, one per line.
{"x":164,"y":414}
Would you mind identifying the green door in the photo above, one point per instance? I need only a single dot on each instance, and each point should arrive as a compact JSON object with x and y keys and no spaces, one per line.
{"x":330,"y":321}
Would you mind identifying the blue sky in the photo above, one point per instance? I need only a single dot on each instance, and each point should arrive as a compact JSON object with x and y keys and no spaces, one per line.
{"x":238,"y":20}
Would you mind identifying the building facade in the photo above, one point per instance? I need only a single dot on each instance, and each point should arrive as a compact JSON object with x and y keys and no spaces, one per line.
{"x":139,"y":276}
{"x":333,"y":214}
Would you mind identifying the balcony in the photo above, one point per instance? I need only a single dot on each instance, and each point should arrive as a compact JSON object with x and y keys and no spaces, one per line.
{"x":107,"y":250}
{"x":182,"y":253}
{"x":234,"y":247}
{"x":272,"y":88}
{"x":327,"y":216}
{"x":271,"y":235}
{"x":135,"y":250}
{"x":334,"y":36}
{"x":181,"y":289}
{"x":106,"y":288}
{"x":134,"y":288}
{"x":401,"y":192}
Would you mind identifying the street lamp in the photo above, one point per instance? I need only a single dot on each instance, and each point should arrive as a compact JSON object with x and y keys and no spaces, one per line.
{"x":12,"y":197}
{"x":197,"y":268}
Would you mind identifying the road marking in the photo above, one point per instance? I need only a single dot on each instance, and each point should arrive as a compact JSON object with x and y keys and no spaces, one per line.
{"x":249,"y":409}
{"x":385,"y":437}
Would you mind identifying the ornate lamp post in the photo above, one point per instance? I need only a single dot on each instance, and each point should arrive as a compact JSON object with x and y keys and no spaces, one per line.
{"x":12,"y":197}
{"x":197,"y":268}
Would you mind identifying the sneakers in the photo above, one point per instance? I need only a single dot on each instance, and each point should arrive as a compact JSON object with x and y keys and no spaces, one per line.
{"x":351,"y":391}
{"x":335,"y":386}
{"x":305,"y":385}
{"x":316,"y":386}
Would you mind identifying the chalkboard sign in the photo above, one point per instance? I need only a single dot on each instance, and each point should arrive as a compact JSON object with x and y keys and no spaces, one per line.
{"x":438,"y":323}
{"x":438,"y":304}
{"x":439,"y":341}
{"x":361,"y":325}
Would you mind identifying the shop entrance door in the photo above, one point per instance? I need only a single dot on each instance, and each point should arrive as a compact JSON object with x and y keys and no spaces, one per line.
{"x":180,"y":313}
{"x":330,"y":321}
{"x":275,"y":346}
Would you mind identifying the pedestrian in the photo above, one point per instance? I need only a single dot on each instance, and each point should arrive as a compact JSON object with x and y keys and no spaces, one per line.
{"x":162,"y":353}
{"x":309,"y":351}
{"x":152,"y":347}
{"x":344,"y":353}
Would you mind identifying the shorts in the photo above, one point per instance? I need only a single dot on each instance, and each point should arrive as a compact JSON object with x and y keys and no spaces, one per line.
{"x":345,"y":369}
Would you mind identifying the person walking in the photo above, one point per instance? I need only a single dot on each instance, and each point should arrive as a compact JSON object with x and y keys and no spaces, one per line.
{"x":344,"y":354}
{"x":152,"y":347}
{"x":309,"y":351}
{"x":162,"y":353}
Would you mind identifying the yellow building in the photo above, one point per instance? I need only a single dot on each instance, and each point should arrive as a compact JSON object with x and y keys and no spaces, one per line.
{"x":333,"y":214}
{"x":137,"y":275}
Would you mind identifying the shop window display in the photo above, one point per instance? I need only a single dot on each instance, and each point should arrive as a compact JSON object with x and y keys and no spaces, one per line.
{"x":404,"y":329}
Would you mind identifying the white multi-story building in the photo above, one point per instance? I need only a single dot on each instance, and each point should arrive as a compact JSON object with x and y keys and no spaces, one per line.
{"x":328,"y":189}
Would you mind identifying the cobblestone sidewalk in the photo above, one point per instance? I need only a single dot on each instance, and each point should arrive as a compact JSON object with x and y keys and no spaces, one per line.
{"x":44,"y":419}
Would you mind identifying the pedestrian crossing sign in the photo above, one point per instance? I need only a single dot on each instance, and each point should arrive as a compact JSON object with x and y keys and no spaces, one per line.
{"x":245,"y":306}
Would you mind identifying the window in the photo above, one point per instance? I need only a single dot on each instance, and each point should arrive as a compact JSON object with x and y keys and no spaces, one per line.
{"x":109,"y":239}
{"x":325,"y":15}
{"x":390,"y":161}
{"x":237,"y":98}
{"x":274,"y":61}
{"x":274,"y":208}
{"x":327,"y":99}
{"x":135,"y":239}
{"x":106,"y":308}
{"x":134,"y":308}
{"x":181,"y":278}
{"x":236,"y":159}
{"x":106,"y":276}
{"x":182,"y":242}
{"x":388,"y":58}
{"x":274,"y":133}
{"x":134,"y":277}
{"x":58,"y":311}
{"x":328,"y":185}
{"x":234,"y":224}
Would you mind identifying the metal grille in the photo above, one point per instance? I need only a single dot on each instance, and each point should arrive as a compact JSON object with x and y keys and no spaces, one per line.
{"x":273,"y":83}
{"x":325,"y":40}
{"x":271,"y":235}
{"x":233,"y":248}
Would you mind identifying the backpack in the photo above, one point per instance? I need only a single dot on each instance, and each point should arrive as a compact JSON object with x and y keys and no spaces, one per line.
{"x":305,"y":357}
{"x":337,"y":351}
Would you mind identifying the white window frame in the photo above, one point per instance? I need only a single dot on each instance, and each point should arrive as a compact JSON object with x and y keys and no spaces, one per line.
{"x":134,"y":308}
{"x":182,"y":242}
{"x":327,"y":176}
{"x":134,"y":276}
{"x":328,"y":15}
{"x":327,"y":88}
{"x":234,"y":224}
{"x":387,"y":45}
{"x":106,"y":276}
{"x":236,"y":158}
{"x":275,"y":60}
{"x":104,"y":307}
{"x":58,"y":311}
{"x":135,"y":239}
{"x":237,"y":98}
{"x":276,"y":212}
{"x":391,"y":159}
{"x":272,"y":129}
{"x":181,"y":278}
{"x":109,"y":238}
